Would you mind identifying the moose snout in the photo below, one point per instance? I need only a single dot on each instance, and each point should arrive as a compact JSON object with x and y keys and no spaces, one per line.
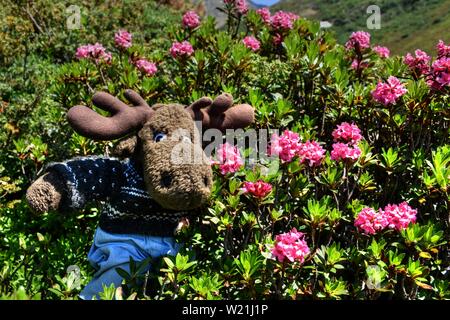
{"x":177,"y":174}
{"x":204,"y":182}
{"x":183,"y":187}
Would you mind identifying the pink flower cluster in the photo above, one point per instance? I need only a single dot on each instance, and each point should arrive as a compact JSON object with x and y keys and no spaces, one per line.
{"x":258,"y":189}
{"x":122,"y":38}
{"x":288,"y":145}
{"x":347,"y":132}
{"x":264,"y":13}
{"x":399,"y":216}
{"x":388,"y":93}
{"x":285,"y":146}
{"x":191,"y":20}
{"x":443,"y":49}
{"x":181,"y":49}
{"x":371,"y":221}
{"x":420,"y":64}
{"x":346,"y":136}
{"x":394,"y":216}
{"x":440,"y":73}
{"x":241,"y":6}
{"x":344,"y":151}
{"x":145,"y":66}
{"x":382,"y":52}
{"x":358,"y":40}
{"x":93,"y":51}
{"x":291,"y":246}
{"x":251,"y":43}
{"x":229,"y":159}
{"x":282,"y":20}
{"x":311,"y":152}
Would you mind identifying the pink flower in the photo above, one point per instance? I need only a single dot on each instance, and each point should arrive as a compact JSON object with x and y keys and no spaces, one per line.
{"x":419,"y":64}
{"x":312,"y":152}
{"x":356,"y":64}
{"x":358,"y":40}
{"x":440,"y":74}
{"x":343,"y":152}
{"x":146,"y":66}
{"x":285,"y":146}
{"x":443,"y":49}
{"x":93,"y":51}
{"x":251,"y":43}
{"x":388,"y":93}
{"x":123,"y":39}
{"x":258,"y":189}
{"x":229,"y":158}
{"x":371,"y":221}
{"x":181,"y":49}
{"x":347,"y":132}
{"x":399,"y":216}
{"x":264,"y":13}
{"x":191,"y":20}
{"x":283,"y":20}
{"x":241,"y":6}
{"x":277,"y":39}
{"x":383,"y":52}
{"x":83,"y":52}
{"x":394,"y":216}
{"x":291,"y":246}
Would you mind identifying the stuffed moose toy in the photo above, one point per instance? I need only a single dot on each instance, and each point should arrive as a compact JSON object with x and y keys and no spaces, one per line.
{"x":145,"y":194}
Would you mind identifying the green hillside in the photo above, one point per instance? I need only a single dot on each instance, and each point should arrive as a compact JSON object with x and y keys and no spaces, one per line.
{"x":405,"y":25}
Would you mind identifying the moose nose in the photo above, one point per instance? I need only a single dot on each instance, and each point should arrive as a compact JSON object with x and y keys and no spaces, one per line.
{"x":166,"y":180}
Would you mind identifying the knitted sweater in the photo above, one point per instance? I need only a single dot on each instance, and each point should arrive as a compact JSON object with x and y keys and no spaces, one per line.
{"x":128,"y":208}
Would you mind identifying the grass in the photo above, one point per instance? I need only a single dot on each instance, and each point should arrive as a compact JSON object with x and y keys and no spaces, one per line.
{"x":405,"y":25}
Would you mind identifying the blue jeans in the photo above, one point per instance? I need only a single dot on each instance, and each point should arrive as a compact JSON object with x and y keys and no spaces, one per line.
{"x":110,"y":251}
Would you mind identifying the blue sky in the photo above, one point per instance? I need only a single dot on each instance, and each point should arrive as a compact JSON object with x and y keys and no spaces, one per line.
{"x":265,"y":2}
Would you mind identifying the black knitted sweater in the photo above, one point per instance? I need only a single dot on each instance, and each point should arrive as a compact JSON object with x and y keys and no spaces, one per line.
{"x":118,"y":184}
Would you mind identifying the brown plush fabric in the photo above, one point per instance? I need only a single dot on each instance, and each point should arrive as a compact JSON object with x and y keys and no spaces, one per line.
{"x":171,"y":175}
{"x":124,"y":120}
{"x":46,"y":193}
{"x":221,"y":114}
{"x":126,"y":147}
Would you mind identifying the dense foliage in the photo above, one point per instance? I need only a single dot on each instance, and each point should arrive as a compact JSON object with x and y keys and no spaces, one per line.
{"x":359,"y":133}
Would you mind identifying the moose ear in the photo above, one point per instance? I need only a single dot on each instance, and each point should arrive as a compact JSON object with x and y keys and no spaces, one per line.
{"x":126,"y":147}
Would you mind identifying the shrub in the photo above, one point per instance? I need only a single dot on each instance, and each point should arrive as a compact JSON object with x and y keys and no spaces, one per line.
{"x":345,"y":160}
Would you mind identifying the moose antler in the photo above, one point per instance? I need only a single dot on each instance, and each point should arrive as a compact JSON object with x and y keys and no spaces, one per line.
{"x":220,"y":113}
{"x":123,"y":120}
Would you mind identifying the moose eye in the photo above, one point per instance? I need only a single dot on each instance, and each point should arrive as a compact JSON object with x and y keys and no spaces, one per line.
{"x":159,"y":137}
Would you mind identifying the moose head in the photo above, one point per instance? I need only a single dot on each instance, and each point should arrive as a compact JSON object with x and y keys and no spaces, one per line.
{"x":153,"y":135}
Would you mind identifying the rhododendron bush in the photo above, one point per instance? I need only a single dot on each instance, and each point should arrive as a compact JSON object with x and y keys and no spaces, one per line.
{"x":352,"y":200}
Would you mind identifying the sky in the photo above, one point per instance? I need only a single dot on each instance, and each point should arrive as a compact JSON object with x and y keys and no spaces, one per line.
{"x":265,"y":2}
